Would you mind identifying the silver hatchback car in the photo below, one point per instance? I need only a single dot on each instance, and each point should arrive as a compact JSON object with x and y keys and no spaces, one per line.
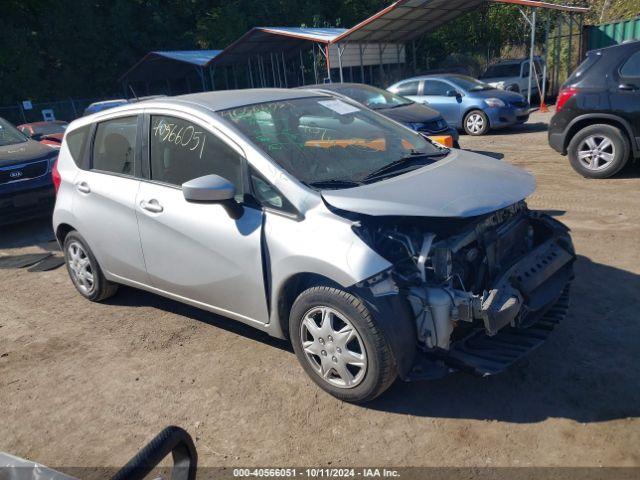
{"x":375,"y":251}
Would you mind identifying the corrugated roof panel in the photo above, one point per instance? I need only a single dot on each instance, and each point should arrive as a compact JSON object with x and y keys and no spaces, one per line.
{"x":195,"y":57}
{"x":307,"y":33}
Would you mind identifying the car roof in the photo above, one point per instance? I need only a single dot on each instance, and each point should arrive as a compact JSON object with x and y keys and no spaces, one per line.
{"x":212,"y":101}
{"x":332,"y":86}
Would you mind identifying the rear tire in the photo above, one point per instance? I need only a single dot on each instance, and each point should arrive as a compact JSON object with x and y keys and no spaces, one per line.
{"x":476,"y":123}
{"x":84,"y":270}
{"x":598,"y":151}
{"x":339,"y":345}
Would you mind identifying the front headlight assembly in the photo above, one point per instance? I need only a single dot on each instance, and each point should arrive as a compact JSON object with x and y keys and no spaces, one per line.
{"x":494,"y":102}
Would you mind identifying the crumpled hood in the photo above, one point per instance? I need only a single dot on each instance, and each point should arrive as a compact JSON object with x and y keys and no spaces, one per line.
{"x":24,"y":152}
{"x":464,"y":184}
{"x":414,"y":112}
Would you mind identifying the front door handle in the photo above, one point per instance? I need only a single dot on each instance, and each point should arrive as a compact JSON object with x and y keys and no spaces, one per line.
{"x":152,"y":206}
{"x":83,"y":187}
{"x":627,"y":87}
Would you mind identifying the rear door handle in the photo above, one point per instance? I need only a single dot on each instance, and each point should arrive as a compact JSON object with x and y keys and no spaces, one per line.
{"x":83,"y":187}
{"x":152,"y":206}
{"x":628,"y":87}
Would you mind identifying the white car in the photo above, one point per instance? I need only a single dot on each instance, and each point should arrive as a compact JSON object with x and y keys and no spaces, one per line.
{"x":375,"y":251}
{"x":513,"y":75}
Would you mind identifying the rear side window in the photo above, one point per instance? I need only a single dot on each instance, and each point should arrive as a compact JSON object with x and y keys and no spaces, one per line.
{"x":114,"y":147}
{"x":579,"y":72}
{"x":631,"y":67}
{"x":77,"y":142}
{"x":181,"y":151}
{"x":408,"y":88}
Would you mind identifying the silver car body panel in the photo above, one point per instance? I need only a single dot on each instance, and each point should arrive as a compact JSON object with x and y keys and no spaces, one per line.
{"x":199,"y":255}
{"x":463,"y":184}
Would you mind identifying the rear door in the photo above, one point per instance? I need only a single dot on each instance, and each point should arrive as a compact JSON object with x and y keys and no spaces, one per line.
{"x":197,"y":251}
{"x":625,"y":97}
{"x":436,"y":94}
{"x":105,"y":195}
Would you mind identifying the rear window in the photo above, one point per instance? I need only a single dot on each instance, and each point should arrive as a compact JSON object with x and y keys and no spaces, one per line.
{"x":77,"y":141}
{"x":579,"y":72}
{"x":114,"y":148}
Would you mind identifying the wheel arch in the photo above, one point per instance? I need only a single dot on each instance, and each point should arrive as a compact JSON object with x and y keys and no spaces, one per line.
{"x":62,"y":230}
{"x":587,"y":120}
{"x":290,"y":289}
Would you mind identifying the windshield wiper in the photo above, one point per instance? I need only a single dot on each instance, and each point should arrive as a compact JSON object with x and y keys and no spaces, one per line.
{"x":335,"y":183}
{"x":401,"y":163}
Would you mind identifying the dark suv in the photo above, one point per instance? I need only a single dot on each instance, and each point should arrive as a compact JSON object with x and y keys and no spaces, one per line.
{"x":597,"y":120}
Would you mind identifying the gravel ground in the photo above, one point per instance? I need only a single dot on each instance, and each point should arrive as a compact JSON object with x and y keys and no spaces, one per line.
{"x":85,"y":384}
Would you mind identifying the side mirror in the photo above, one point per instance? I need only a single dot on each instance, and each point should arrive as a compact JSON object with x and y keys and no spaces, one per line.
{"x":452,"y":93}
{"x":210,"y":188}
{"x":36,"y":136}
{"x":213,"y":189}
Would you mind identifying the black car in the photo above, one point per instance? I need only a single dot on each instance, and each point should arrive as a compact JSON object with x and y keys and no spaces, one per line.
{"x":26,"y":185}
{"x":597,"y":120}
{"x":414,"y":115}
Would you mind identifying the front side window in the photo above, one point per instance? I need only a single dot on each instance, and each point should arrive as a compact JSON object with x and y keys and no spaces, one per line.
{"x":631,"y":67}
{"x":114,"y":147}
{"x":374,"y":98}
{"x":436,"y":87}
{"x":181,"y":151}
{"x":322,"y":140}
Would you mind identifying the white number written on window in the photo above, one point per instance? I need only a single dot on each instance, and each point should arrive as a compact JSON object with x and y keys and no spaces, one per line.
{"x":185,"y":137}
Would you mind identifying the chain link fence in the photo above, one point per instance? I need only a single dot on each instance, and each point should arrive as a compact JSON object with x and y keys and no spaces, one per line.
{"x":62,"y":110}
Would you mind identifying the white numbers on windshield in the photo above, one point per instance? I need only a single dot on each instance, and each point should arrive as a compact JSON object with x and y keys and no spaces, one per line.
{"x":185,"y":137}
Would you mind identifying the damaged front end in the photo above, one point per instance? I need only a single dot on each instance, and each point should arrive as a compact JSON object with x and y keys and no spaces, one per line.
{"x":482,"y":291}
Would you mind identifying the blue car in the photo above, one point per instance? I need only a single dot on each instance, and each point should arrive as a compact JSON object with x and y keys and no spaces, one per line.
{"x":26,"y":186}
{"x":466,"y":103}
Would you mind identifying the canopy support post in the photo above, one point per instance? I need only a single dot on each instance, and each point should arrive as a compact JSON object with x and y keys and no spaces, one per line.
{"x":340,"y":50}
{"x":273,"y":70}
{"x":315,"y":64}
{"x":284,"y":70}
{"x":361,"y":64}
{"x":543,"y":93}
{"x":301,"y":67}
{"x":413,"y":54}
{"x":250,"y":72}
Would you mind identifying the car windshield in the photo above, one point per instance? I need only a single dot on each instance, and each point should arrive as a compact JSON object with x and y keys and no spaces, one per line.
{"x":374,"y":98}
{"x":325,"y":140}
{"x":470,"y":84}
{"x":49,"y":128}
{"x":10,"y":135}
{"x":502,"y":70}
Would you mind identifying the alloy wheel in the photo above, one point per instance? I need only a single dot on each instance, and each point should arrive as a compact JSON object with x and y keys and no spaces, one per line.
{"x":596,"y":152}
{"x":333,"y":347}
{"x":80,"y":268}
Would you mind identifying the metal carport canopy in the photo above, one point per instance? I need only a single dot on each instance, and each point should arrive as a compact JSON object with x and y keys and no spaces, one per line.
{"x":266,"y":40}
{"x":156,"y":64}
{"x":406,"y":20}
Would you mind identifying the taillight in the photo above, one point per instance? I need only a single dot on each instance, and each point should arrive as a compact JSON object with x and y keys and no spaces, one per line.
{"x":55,"y":176}
{"x":564,"y":95}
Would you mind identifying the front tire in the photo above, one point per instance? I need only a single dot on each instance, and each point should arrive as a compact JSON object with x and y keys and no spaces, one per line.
{"x":598,"y":151}
{"x":339,"y":345}
{"x":476,"y":123}
{"x":84,"y":270}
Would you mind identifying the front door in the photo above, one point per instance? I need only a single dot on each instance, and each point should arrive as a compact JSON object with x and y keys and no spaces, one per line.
{"x":197,"y":251}
{"x":437,"y":95}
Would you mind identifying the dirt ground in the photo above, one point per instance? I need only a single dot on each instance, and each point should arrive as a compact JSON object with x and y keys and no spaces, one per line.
{"x":84,"y":384}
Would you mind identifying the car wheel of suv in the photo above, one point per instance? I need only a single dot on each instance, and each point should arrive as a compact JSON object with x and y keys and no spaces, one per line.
{"x":84,"y":270}
{"x":339,"y":345}
{"x":598,"y":151}
{"x":476,"y":122}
